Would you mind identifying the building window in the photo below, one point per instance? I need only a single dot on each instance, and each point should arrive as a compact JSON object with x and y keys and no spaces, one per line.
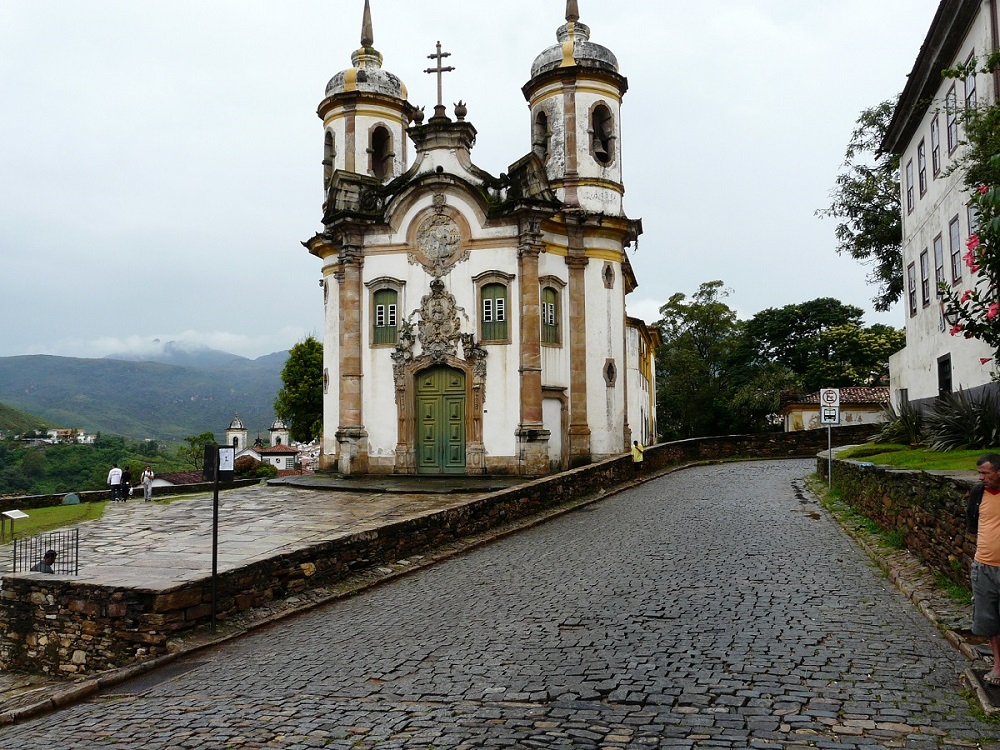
{"x":935,"y":146}
{"x":602,"y":134}
{"x":922,"y":168}
{"x":329,"y":155}
{"x":951,"y":111}
{"x":494,"y":313}
{"x":970,"y":84}
{"x":909,"y":186}
{"x":911,"y":288}
{"x":955,"y":248}
{"x":973,"y":219}
{"x":384,"y":329}
{"x":550,"y":316}
{"x":939,"y":278}
{"x":540,"y":136}
{"x":380,"y":153}
{"x":925,"y":279}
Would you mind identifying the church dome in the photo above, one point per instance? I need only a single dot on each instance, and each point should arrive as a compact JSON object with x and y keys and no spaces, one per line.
{"x":237,"y":423}
{"x":574,"y":48}
{"x":365,"y":73}
{"x":277,"y":424}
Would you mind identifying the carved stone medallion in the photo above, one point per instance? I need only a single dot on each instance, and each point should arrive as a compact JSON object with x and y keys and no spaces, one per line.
{"x":438,"y":241}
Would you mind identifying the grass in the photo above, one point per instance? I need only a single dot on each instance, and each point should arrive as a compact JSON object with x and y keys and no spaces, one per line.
{"x":57,"y":516}
{"x":908,"y":457}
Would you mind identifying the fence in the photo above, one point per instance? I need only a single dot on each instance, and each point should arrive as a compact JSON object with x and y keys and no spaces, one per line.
{"x":29,"y":551}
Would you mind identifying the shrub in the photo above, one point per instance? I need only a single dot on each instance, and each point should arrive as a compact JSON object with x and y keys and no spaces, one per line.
{"x":247,"y":467}
{"x":904,"y":425}
{"x":961,"y":420}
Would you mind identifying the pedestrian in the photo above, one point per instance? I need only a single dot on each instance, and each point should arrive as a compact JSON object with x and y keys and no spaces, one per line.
{"x":126,"y":483}
{"x":637,"y":451}
{"x":115,"y":482}
{"x":147,"y":484}
{"x":982,"y":518}
{"x":45,"y":566}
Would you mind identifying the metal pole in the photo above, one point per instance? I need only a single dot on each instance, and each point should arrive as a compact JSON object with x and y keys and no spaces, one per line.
{"x":829,"y":457}
{"x":215,"y":539}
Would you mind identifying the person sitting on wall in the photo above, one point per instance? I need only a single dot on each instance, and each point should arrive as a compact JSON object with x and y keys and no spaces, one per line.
{"x":45,"y":566}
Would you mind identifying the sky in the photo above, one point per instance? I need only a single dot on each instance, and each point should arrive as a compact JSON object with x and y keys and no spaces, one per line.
{"x":160,"y":161}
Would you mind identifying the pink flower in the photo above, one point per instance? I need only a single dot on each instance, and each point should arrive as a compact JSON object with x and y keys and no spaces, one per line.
{"x":992,"y":312}
{"x":970,"y":260}
{"x":955,"y":329}
{"x":983,"y":189}
{"x":965,"y":296}
{"x":973,"y":268}
{"x":973,"y":242}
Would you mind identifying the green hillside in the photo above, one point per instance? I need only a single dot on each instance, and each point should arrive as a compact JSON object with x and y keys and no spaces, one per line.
{"x":143,"y":399}
{"x":14,"y":422}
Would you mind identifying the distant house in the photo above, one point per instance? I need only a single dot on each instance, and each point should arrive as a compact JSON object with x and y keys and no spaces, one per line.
{"x":857,"y":406}
{"x":281,"y":457}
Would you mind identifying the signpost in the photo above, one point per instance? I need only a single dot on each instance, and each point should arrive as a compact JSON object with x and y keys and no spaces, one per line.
{"x":829,"y":414}
{"x":221,"y":459}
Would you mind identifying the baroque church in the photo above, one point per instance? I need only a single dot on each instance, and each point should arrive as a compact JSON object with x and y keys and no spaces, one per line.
{"x":476,"y":324}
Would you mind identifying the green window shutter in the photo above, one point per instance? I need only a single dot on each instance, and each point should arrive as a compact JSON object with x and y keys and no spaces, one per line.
{"x":494,"y":313}
{"x":550,"y":316}
{"x":384,"y":319}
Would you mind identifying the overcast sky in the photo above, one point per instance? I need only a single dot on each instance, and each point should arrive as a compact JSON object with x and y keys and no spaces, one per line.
{"x":160,"y":161}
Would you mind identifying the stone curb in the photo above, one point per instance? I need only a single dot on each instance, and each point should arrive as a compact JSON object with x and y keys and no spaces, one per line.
{"x":59,"y":697}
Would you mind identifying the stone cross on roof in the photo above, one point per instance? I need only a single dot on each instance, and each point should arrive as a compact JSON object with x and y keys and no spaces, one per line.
{"x":439,"y":56}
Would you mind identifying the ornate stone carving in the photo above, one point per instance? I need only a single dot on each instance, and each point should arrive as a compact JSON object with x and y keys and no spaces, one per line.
{"x":402,"y":355}
{"x":439,"y":326}
{"x":475,"y":355}
{"x":438,"y":241}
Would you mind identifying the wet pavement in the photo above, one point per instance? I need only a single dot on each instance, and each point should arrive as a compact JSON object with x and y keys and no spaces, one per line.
{"x":714,"y":607}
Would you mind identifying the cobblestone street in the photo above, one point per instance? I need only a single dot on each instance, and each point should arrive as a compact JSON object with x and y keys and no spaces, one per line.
{"x":715,"y":607}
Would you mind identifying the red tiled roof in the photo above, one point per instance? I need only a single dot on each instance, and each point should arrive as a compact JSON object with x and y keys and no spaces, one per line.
{"x":284,"y":450}
{"x":852,"y":395}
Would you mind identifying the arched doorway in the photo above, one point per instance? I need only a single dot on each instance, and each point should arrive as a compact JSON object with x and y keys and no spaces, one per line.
{"x":440,"y":421}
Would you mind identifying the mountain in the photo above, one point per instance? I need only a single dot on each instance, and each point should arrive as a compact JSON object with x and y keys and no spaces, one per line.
{"x":181,"y":355}
{"x":144,"y":399}
{"x":15,"y":422}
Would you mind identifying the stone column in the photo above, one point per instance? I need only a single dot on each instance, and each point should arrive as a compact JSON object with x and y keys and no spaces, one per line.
{"x":576,"y":331}
{"x":532,"y":437}
{"x":352,"y":438}
{"x":572,"y":177}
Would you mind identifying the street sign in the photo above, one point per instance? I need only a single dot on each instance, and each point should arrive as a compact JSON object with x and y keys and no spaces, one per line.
{"x":829,"y":406}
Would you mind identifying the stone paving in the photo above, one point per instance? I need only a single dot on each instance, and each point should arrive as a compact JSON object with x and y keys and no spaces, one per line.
{"x":717,"y":607}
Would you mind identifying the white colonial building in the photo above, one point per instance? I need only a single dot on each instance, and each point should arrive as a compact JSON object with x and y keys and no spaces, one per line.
{"x":925,"y":132}
{"x":476,"y":323}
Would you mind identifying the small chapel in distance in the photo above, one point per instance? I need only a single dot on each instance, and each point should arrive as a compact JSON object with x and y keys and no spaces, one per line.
{"x":476,"y":324}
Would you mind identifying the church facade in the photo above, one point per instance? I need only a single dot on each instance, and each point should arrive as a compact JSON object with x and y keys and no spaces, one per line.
{"x":477,"y":323}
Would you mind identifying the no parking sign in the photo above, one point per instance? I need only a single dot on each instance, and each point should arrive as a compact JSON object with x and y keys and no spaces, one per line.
{"x":829,"y":406}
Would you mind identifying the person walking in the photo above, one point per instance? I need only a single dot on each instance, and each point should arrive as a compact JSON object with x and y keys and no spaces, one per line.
{"x":637,"y":456}
{"x":115,"y":482}
{"x":982,"y":517}
{"x":126,"y":483}
{"x":147,"y":484}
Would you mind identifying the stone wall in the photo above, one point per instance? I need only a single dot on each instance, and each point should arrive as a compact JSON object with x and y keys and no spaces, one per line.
{"x":60,"y":626}
{"x":927,"y":508}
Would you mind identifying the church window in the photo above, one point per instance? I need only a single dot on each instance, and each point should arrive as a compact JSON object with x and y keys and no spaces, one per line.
{"x":602,"y":130}
{"x":608,"y":274}
{"x":381,"y":153}
{"x":329,"y":154}
{"x":540,"y":136}
{"x":610,"y":373}
{"x":935,"y":146}
{"x":951,"y":112}
{"x":384,"y":330}
{"x":955,"y":247}
{"x":550,"y":316}
{"x":494,"y":310}
{"x":911,"y":288}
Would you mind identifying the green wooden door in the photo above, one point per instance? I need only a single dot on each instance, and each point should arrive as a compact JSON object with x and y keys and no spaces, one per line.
{"x":441,"y":421}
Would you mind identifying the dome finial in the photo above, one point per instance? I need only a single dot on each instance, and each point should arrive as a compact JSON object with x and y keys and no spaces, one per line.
{"x":572,"y":11}
{"x":367,"y":35}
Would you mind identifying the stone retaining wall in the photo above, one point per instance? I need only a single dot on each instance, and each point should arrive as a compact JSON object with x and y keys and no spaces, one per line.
{"x":60,"y":626}
{"x":927,"y":508}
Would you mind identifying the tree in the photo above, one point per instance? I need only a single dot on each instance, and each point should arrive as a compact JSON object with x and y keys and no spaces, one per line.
{"x":300,"y":401}
{"x":694,"y":365}
{"x":194,"y":452}
{"x":866,"y":200}
{"x":975,"y":312}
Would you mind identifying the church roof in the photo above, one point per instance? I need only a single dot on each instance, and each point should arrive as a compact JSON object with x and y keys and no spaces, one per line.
{"x":277,"y":424}
{"x":274,"y":450}
{"x":365,"y":73}
{"x":574,"y":48}
{"x":237,"y":423}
